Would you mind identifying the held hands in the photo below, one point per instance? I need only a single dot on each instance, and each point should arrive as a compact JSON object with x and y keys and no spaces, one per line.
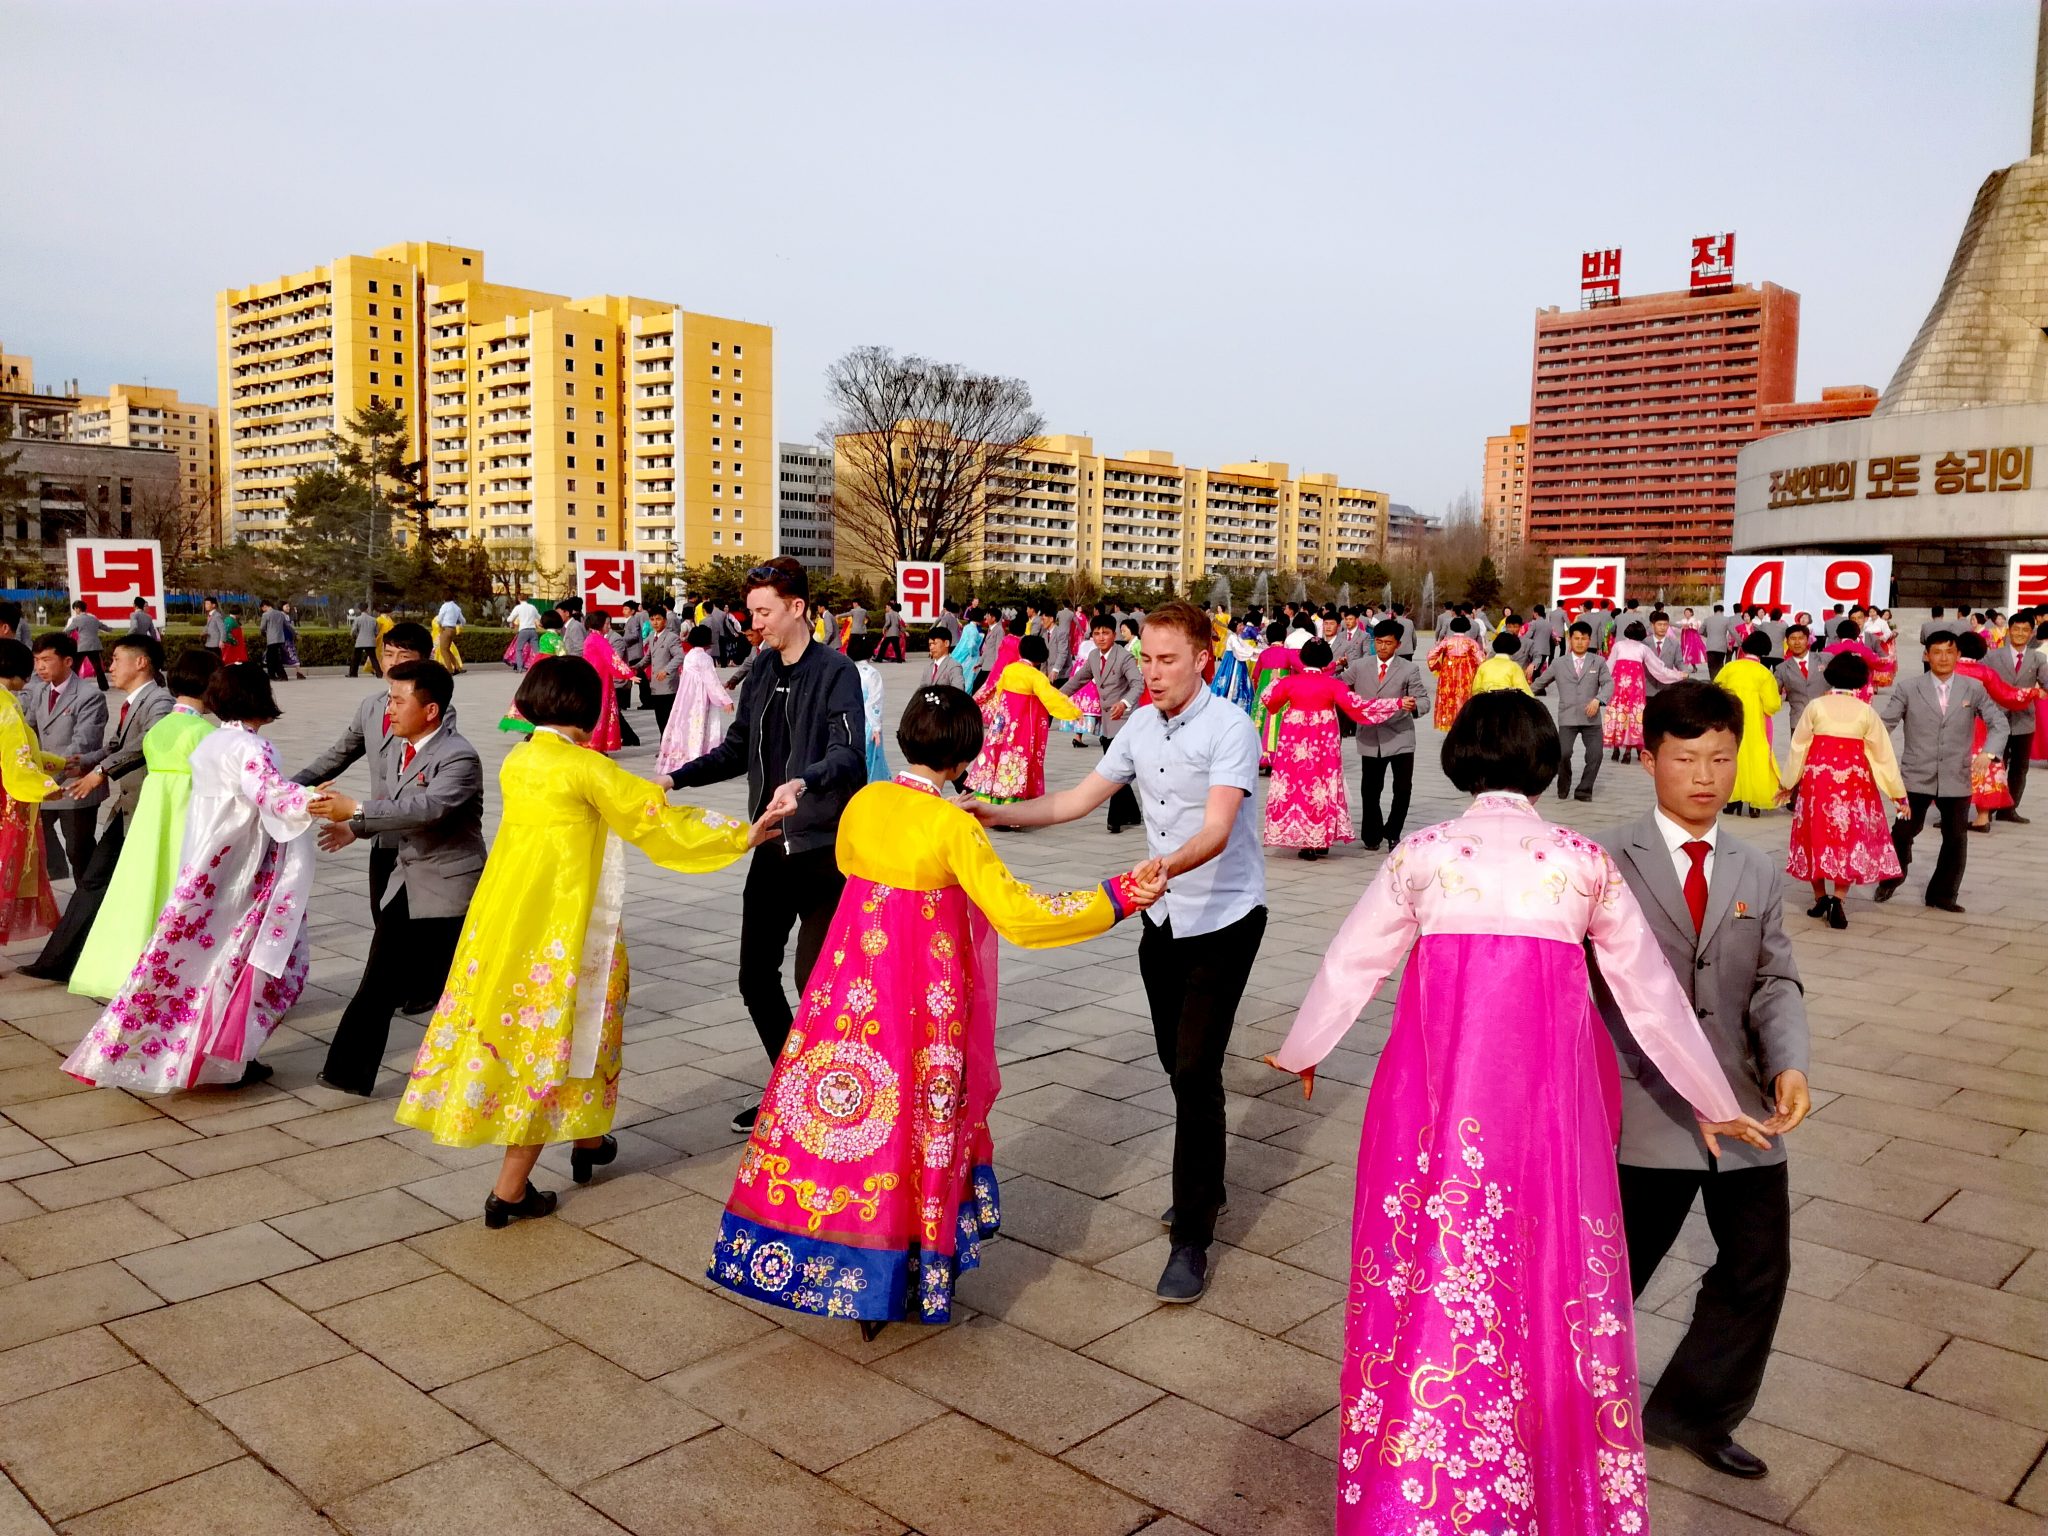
{"x":783,"y":802}
{"x":1119,"y":709}
{"x":1409,"y":706}
{"x":1742,"y":1128}
{"x":1593,"y":711}
{"x":763,"y":829}
{"x":81,"y":787}
{"x":1149,"y":884}
{"x":330,"y":806}
{"x":1306,"y":1074}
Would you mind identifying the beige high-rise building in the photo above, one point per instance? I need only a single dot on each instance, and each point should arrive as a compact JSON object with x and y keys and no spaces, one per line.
{"x":546,"y":424}
{"x":1503,"y":498}
{"x":138,"y":416}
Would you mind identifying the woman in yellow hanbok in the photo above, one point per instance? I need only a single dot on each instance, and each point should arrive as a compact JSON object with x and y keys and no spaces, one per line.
{"x":1750,"y":680}
{"x":28,"y":910}
{"x":524,"y":1047}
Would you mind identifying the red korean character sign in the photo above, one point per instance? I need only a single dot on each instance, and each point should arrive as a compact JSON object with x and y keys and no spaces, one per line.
{"x":1576,"y":584}
{"x":1854,"y":581}
{"x":2026,"y":581}
{"x":1713,"y":262}
{"x":921,"y":589}
{"x":107,"y":575}
{"x":1600,"y":276}
{"x":1767,"y":582}
{"x":607,"y":581}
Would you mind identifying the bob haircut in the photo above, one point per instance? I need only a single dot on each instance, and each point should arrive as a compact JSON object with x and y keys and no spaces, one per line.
{"x":1461,"y":625}
{"x":241,"y":692}
{"x":1633,"y":632}
{"x":1756,"y":643}
{"x":1316,"y":653}
{"x":16,"y":659}
{"x":1969,"y":644}
{"x":1031,"y":648}
{"x":192,"y":671}
{"x":1503,"y":740}
{"x":561,"y":690}
{"x":1845,"y":669}
{"x":940,"y":728}
{"x":699,"y":638}
{"x":1689,"y":710}
{"x":1505,"y":644}
{"x":862,"y":647}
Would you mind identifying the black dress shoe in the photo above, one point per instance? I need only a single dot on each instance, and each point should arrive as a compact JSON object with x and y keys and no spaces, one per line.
{"x":1585,"y":795}
{"x":582,"y":1160}
{"x":327,"y":1082}
{"x":255,"y":1072}
{"x":1717,"y":1451}
{"x":535,"y":1202}
{"x":1185,"y":1277}
{"x":2012,"y":816}
{"x":743,"y":1122}
{"x":1886,"y":890}
{"x":1946,"y":906}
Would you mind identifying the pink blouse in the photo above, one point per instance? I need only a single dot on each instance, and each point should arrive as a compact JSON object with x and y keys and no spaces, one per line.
{"x":1501,"y":869}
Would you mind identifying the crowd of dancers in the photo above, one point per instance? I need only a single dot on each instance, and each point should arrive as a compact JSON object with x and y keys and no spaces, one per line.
{"x":1565,"y":998}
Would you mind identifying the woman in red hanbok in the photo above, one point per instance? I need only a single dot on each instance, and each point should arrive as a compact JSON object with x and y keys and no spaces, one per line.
{"x":1306,"y":804}
{"x":1845,"y":770}
{"x":1880,"y":635}
{"x":1454,"y":659}
{"x":1990,"y":790}
{"x":1634,"y":663}
{"x":597,"y":650}
{"x":868,"y":1184}
{"x":28,"y":908}
{"x":1018,"y":721}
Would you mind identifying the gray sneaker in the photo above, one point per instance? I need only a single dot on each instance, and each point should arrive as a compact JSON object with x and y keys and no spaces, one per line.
{"x":1185,"y":1277}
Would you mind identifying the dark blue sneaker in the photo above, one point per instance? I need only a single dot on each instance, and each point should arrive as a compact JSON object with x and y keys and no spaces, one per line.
{"x":1186,"y":1275}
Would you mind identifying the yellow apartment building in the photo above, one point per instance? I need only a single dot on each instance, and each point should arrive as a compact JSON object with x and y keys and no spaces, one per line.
{"x":137,"y":416}
{"x":1503,"y":497}
{"x":546,"y":424}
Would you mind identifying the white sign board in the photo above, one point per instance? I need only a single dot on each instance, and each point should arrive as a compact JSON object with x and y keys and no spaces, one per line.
{"x":107,"y":575}
{"x":1575,"y":583}
{"x":2026,"y":581}
{"x":1809,"y":584}
{"x":921,"y":589}
{"x":607,"y":580}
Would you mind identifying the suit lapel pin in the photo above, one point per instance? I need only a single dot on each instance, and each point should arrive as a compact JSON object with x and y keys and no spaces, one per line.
{"x":1742,"y":909}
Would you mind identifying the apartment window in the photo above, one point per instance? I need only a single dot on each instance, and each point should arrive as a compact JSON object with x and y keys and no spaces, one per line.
{"x":568,"y":389}
{"x":600,"y":462}
{"x":600,"y":414}
{"x":736,"y":349}
{"x":714,"y":394}
{"x":738,"y":374}
{"x":398,"y":381}
{"x":714,"y":370}
{"x":600,"y":535}
{"x":716,"y":467}
{"x":600,"y":370}
{"x":568,"y":340}
{"x":568,"y":365}
{"x":572,"y":487}
{"x":572,"y":526}
{"x":714,"y":347}
{"x":572,"y":465}
{"x":599,"y":392}
{"x":398,"y":357}
{"x":571,"y":436}
{"x":373,"y":333}
{"x":398,"y":311}
{"x":373,"y":378}
{"x":738,"y":491}
{"x":717,"y":537}
{"x":717,"y":514}
{"x":738,"y":422}
{"x":737,"y":397}
{"x":373,"y":309}
{"x":714,"y":418}
{"x":738,"y":537}
{"x":597,"y":344}
{"x":373,"y":354}
{"x":570,"y":415}
{"x":717,"y":490}
{"x":600,"y":486}
{"x":373,"y":285}
{"x":600,"y":443}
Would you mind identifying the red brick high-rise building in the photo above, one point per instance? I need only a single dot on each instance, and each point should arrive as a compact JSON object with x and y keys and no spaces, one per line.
{"x":1637,"y":408}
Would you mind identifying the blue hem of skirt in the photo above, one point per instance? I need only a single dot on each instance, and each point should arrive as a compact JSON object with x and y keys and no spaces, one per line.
{"x":832,"y":1279}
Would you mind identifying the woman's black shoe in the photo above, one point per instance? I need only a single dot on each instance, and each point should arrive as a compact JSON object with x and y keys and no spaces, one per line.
{"x":535,"y":1202}
{"x":1837,"y":918}
{"x":583,"y":1160}
{"x":1822,"y":907}
{"x":871,"y":1330}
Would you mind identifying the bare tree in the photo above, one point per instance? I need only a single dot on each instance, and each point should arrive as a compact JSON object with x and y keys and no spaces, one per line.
{"x":916,"y":444}
{"x":182,"y":522}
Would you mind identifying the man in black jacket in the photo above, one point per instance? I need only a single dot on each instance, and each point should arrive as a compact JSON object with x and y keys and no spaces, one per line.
{"x":798,"y":735}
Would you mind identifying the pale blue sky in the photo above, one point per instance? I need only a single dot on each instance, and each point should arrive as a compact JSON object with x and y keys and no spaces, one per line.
{"x":1314,"y":233}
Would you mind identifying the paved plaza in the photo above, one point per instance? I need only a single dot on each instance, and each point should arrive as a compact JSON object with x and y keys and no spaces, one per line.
{"x":273,"y":1312}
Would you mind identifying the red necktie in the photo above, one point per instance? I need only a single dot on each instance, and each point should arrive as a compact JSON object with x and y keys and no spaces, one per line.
{"x":387,"y":721}
{"x":405,"y":759}
{"x":1696,"y":883}
{"x":121,"y":724}
{"x":53,"y":703}
{"x":1802,"y":666}
{"x":1383,"y":671}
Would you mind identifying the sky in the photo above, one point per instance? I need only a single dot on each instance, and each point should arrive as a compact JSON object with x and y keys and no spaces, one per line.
{"x":1310,"y":233}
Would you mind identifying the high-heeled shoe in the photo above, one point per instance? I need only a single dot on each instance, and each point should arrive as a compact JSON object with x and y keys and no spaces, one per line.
{"x":1822,"y":907}
{"x":535,"y":1202}
{"x":582,"y":1160}
{"x":1837,"y":918}
{"x":871,"y":1329}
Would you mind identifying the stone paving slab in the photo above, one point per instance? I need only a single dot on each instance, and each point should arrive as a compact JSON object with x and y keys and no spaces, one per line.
{"x":274,"y":1311}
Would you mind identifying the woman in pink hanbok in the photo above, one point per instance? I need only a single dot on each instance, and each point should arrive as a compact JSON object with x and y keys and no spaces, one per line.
{"x":1018,"y":722}
{"x":868,"y":1185}
{"x":1306,"y":804}
{"x":1005,"y":653}
{"x":1692,"y":642}
{"x":1848,"y":641}
{"x":228,"y":958}
{"x":1489,"y":1376}
{"x":702,"y":708}
{"x":598,"y":651}
{"x":1633,"y":662}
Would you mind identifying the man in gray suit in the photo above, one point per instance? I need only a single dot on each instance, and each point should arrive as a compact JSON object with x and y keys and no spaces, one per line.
{"x":1059,"y":644}
{"x":434,"y":809}
{"x":109,"y":788}
{"x":69,"y":716}
{"x":1119,"y":685}
{"x":2021,"y":666}
{"x":1386,"y":674}
{"x":216,"y":626}
{"x":1713,"y":906}
{"x":1714,"y":633}
{"x":143,"y":622}
{"x":1583,"y":682}
{"x":944,"y":671}
{"x":1938,"y":712}
{"x":1773,"y":627}
{"x":1800,"y":675}
{"x":1407,"y":647}
{"x":84,"y":627}
{"x":1668,"y":645}
{"x":1937,"y":620}
{"x":664,"y":664}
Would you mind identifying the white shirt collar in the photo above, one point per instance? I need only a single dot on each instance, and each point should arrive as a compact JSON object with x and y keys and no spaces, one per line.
{"x":421,"y":745}
{"x":1676,"y":837}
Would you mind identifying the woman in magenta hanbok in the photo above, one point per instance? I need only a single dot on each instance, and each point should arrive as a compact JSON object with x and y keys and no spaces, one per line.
{"x":597,"y":650}
{"x":1633,"y":662}
{"x":1848,"y":641}
{"x":1005,"y":653}
{"x":1489,"y":1376}
{"x":1017,"y":722}
{"x":868,"y":1184}
{"x":1306,"y":804}
{"x":1692,"y":642}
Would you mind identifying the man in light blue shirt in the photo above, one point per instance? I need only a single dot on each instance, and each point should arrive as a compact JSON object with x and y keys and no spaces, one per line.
{"x":450,"y":621}
{"x":1193,"y":761}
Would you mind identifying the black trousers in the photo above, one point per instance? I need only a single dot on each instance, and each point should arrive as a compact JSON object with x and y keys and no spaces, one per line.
{"x":93,"y":874}
{"x":661,"y":703}
{"x":1955,"y":841}
{"x":1372,"y":777}
{"x":2018,"y":749}
{"x":273,"y":662}
{"x":99,"y":667}
{"x":383,"y":862}
{"x":628,"y":737}
{"x":1712,"y":1380}
{"x":1586,"y":734}
{"x":363,"y":656}
{"x":1193,"y":986}
{"x":1715,"y":661}
{"x":75,"y":823}
{"x":1123,"y":805}
{"x":784,"y":891}
{"x":409,"y":958}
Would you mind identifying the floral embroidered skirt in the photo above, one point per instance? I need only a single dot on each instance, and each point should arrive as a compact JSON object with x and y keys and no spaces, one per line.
{"x":1839,"y":827}
{"x":29,"y":908}
{"x":1622,"y":725}
{"x":1306,"y":803}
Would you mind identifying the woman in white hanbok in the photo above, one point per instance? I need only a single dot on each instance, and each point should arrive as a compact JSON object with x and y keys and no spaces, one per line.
{"x":228,"y":958}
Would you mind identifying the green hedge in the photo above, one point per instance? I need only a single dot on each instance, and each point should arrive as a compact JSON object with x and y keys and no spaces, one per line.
{"x":334,"y":648}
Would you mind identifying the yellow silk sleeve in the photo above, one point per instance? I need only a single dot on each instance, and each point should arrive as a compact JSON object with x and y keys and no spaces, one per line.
{"x":1057,"y":704}
{"x":1027,"y":918}
{"x":678,"y":837}
{"x":22,"y":759}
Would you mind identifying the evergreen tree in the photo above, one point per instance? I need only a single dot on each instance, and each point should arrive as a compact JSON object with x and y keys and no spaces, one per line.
{"x":1484,"y":588}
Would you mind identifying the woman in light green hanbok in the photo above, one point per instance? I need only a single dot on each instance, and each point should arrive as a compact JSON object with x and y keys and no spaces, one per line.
{"x":152,"y":852}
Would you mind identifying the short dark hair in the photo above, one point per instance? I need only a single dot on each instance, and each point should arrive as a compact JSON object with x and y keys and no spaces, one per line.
{"x":1505,"y":644}
{"x":938,"y":635}
{"x":1939,"y":637}
{"x":1756,"y":643}
{"x":1936,"y":611}
{"x":552,"y":619}
{"x":1634,"y":630}
{"x":861,"y":647}
{"x":1659,"y":613}
{"x":940,"y":728}
{"x":1316,"y":653}
{"x":781,"y":574}
{"x":16,"y":660}
{"x":147,"y":644}
{"x":241,"y":692}
{"x":699,"y":637}
{"x":561,"y":690}
{"x":57,"y":640}
{"x":1387,"y":629}
{"x":1102,"y":621}
{"x":1848,"y":629}
{"x":192,"y":671}
{"x":1032,"y":648}
{"x":1276,"y":632}
{"x":430,"y":681}
{"x":1580,"y":627}
{"x":1797,"y":629}
{"x":1460,"y":625}
{"x":1502,"y":740}
{"x":408,"y":636}
{"x":1969,"y":643}
{"x":1845,"y":669}
{"x":1689,"y":710}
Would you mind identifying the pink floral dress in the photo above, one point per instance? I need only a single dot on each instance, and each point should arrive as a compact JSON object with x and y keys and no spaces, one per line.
{"x":1306,"y":803}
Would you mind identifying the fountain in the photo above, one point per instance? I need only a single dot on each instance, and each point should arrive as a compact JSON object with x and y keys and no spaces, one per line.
{"x":1298,"y":592}
{"x":1344,"y":595}
{"x":1387,"y":596}
{"x":1219,"y":592}
{"x":1259,"y":595}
